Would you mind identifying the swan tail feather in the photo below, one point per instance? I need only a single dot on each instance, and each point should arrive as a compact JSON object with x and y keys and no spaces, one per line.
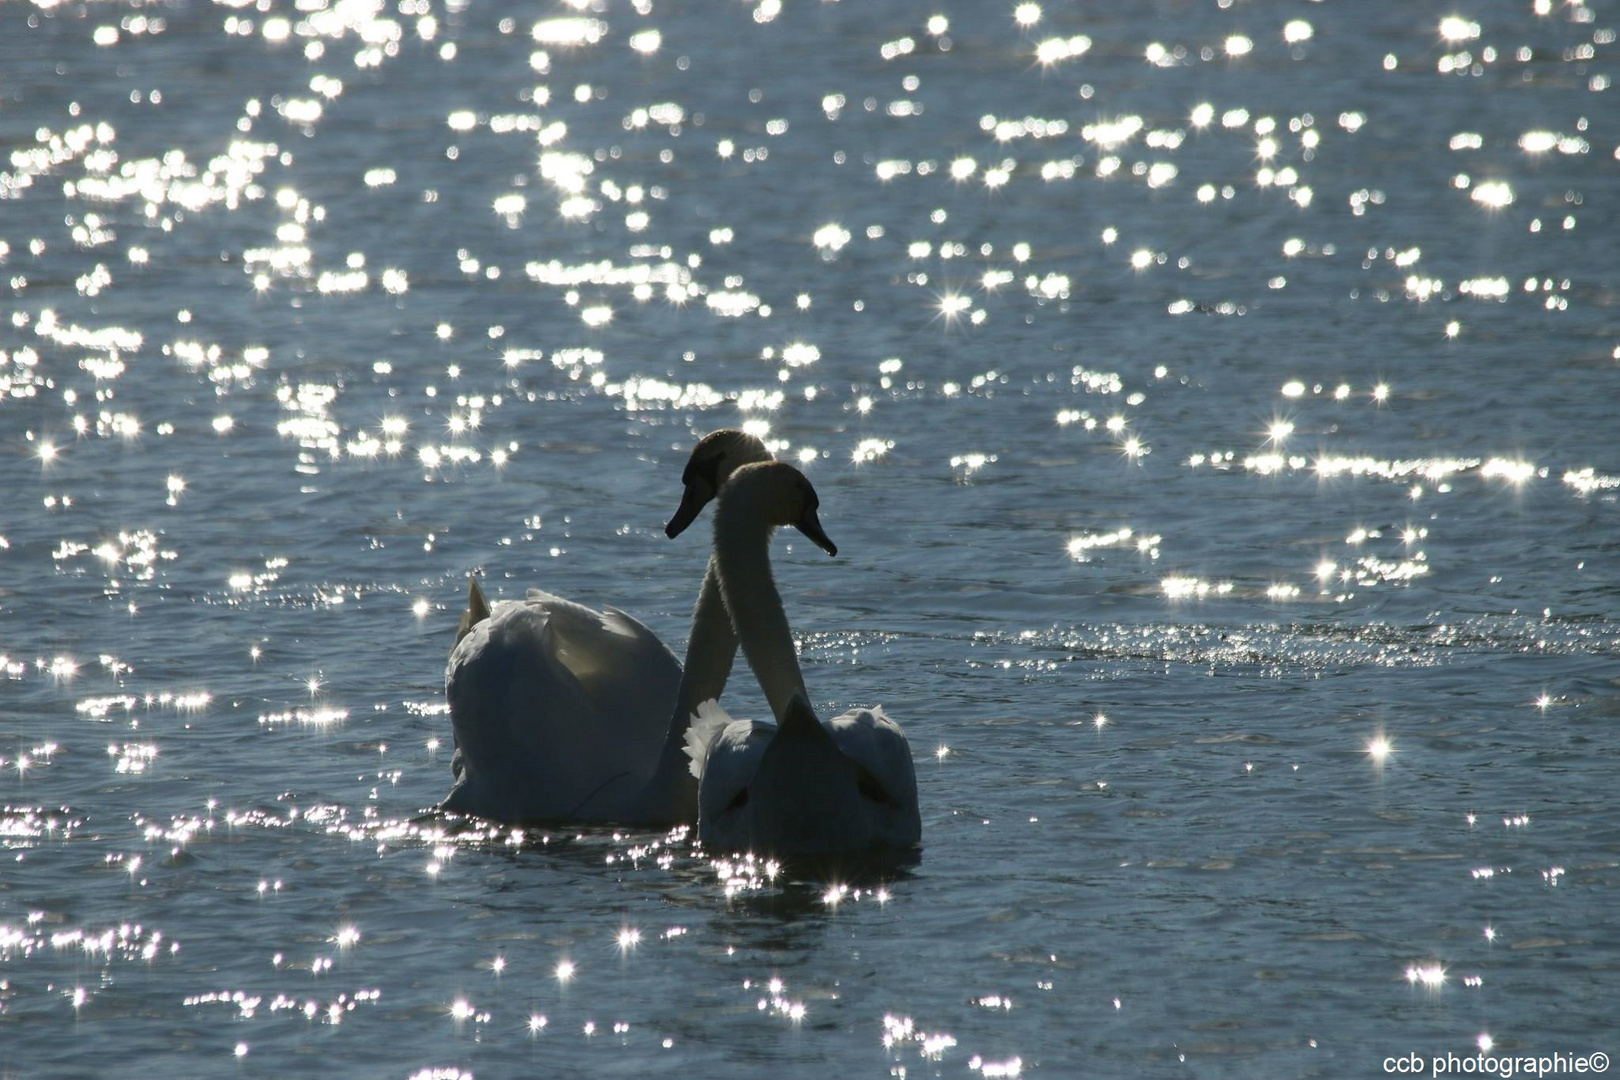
{"x":477,"y":609}
{"x":708,"y":721}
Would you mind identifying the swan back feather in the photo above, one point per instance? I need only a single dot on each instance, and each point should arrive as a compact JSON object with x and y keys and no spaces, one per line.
{"x":598,"y":646}
{"x":808,"y":786}
{"x":540,"y":682}
{"x":708,"y":721}
{"x":877,"y":744}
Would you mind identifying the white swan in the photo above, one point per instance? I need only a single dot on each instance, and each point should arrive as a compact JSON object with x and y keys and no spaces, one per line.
{"x":564,"y":713}
{"x":799,"y":786}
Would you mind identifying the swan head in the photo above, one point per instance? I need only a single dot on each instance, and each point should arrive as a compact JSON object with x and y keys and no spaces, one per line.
{"x":778,"y":494}
{"x":716,"y":456}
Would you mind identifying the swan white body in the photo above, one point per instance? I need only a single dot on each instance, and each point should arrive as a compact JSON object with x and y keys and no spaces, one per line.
{"x":559,"y":711}
{"x":564,"y":713}
{"x":804,"y":787}
{"x":799,"y":786}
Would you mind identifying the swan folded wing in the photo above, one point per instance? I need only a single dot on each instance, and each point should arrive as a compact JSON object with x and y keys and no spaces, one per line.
{"x":877,"y":744}
{"x":515,"y":712}
{"x":553,"y":704}
{"x":500,"y":678}
{"x":598,"y":640}
{"x":732,"y":760}
{"x":629,"y":676}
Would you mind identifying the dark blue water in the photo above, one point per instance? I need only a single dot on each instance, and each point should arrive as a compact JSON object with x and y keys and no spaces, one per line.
{"x":1212,"y":403}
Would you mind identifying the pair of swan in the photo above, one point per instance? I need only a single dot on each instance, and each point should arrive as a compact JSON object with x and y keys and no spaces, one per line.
{"x":564,"y":713}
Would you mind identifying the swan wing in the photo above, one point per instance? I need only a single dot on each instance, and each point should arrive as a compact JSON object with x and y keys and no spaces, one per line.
{"x":882,"y":753}
{"x":505,"y":683}
{"x":733,"y":756}
{"x":554,"y":706}
{"x":810,"y":786}
{"x":628,"y":675}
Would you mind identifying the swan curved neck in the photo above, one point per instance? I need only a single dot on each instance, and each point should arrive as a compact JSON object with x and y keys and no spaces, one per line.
{"x":711,"y":646}
{"x":742,"y":556}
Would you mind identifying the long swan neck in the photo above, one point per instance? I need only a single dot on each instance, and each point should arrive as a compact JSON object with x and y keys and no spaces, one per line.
{"x":711,"y":646}
{"x":742,"y":556}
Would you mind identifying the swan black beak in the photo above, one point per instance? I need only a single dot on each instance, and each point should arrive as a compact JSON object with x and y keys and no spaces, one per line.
{"x":692,"y":504}
{"x":810,"y":525}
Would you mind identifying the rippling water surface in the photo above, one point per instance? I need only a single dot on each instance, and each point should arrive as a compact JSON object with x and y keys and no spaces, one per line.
{"x":1213,"y":402}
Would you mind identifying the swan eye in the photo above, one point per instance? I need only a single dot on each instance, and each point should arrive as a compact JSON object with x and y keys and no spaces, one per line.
{"x":737,"y":803}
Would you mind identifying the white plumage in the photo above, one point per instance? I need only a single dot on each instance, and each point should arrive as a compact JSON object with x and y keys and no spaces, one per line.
{"x":799,"y":786}
{"x":564,"y":713}
{"x":560,"y":712}
{"x":855,"y":789}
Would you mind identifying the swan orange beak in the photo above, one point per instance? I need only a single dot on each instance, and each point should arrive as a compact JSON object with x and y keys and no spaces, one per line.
{"x":692,"y":504}
{"x":810,"y":525}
